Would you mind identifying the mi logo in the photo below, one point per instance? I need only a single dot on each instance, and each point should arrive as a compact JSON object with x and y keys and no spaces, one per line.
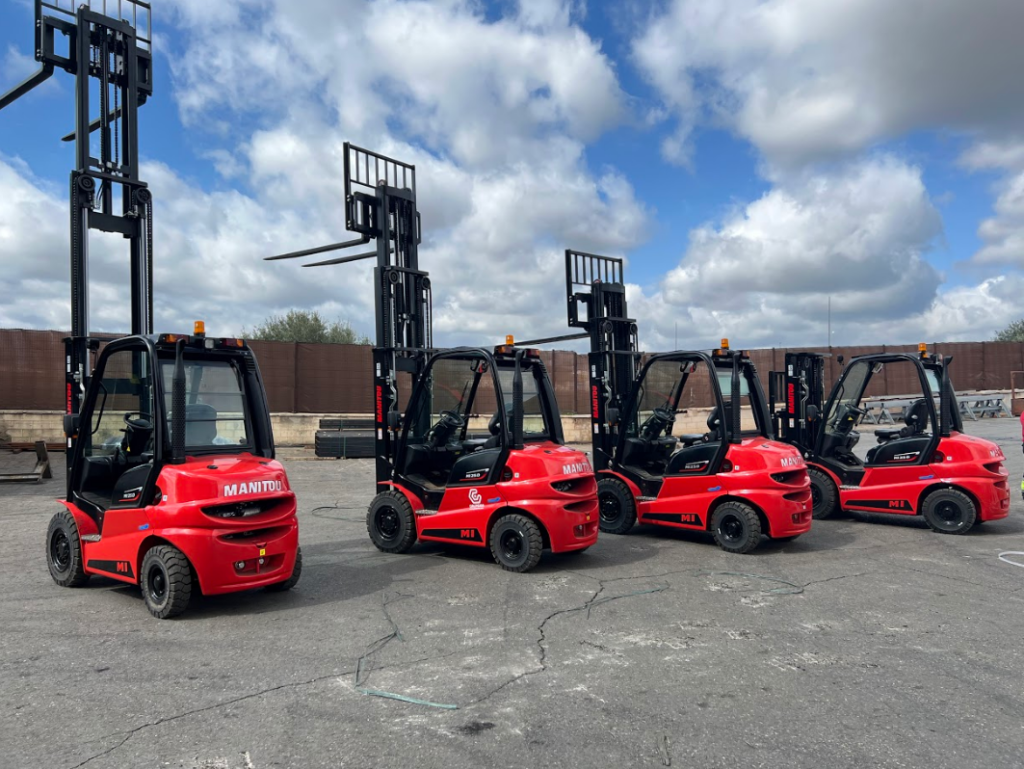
{"x":123,"y":567}
{"x":467,"y":534}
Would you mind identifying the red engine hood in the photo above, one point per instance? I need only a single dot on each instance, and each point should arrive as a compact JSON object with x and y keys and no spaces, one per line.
{"x":226,"y":477}
{"x":548,"y":460}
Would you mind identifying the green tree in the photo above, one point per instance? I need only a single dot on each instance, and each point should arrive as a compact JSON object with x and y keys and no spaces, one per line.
{"x":1012,"y":333}
{"x":305,"y":326}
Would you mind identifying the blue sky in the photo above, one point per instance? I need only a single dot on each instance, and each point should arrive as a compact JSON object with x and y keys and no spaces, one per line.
{"x":750,"y":158}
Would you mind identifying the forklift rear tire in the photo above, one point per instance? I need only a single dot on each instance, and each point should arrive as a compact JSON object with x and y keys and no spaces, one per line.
{"x":824,"y":495}
{"x":391,"y":522}
{"x":292,"y":581}
{"x":516,"y":543}
{"x":736,"y":527}
{"x":617,"y":506}
{"x":166,"y":581}
{"x":64,"y":551}
{"x":949,"y":511}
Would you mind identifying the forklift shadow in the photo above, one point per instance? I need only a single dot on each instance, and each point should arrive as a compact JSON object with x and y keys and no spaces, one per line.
{"x":816,"y":540}
{"x":596,"y":557}
{"x":1004,"y":526}
{"x":331,"y":573}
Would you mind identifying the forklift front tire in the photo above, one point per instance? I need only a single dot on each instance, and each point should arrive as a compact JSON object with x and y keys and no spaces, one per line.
{"x":516,"y":543}
{"x":824,"y":495}
{"x":292,"y":581}
{"x":64,"y":551}
{"x":616,"y":505}
{"x":391,"y":523}
{"x":166,"y":581}
{"x":949,"y":511}
{"x":736,"y":527}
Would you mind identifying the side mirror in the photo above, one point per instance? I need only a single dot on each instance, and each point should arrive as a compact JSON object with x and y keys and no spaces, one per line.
{"x":612,"y":415}
{"x":840,"y":359}
{"x":812,"y":413}
{"x":71,"y":423}
{"x":394,"y":420}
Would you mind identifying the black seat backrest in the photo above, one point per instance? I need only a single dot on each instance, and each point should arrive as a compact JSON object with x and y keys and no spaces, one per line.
{"x":915,"y":417}
{"x":200,"y":424}
{"x":693,"y":460}
{"x":716,"y":422}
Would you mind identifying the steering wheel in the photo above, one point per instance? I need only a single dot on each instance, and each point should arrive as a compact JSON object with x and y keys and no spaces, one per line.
{"x":841,"y":421}
{"x":138,"y":431}
{"x":449,"y":422}
{"x":143,"y":421}
{"x":660,"y":419}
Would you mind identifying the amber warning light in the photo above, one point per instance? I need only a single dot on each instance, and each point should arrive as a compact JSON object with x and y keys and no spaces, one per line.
{"x":200,"y":328}
{"x":510,"y":340}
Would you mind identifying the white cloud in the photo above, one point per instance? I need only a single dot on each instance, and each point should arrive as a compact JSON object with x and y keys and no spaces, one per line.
{"x":811,"y":79}
{"x":494,"y":113}
{"x":858,"y":235}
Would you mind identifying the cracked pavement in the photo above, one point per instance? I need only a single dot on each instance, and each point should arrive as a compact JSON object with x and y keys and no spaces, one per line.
{"x":860,"y":644}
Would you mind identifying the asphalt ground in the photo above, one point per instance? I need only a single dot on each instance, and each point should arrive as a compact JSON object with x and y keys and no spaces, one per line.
{"x":863,"y":643}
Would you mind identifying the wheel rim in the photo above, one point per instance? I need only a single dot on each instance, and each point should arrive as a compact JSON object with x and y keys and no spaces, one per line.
{"x":730,"y":528}
{"x":156,"y":582}
{"x":387,"y":523}
{"x":511,"y":545}
{"x":610,"y":508}
{"x":816,"y":496}
{"x":60,"y":551}
{"x":948,"y":514}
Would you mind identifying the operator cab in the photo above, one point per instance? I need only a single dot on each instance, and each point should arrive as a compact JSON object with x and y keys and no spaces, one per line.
{"x":913,"y":438}
{"x":669,"y":385}
{"x":125,"y":425}
{"x":461,"y":421}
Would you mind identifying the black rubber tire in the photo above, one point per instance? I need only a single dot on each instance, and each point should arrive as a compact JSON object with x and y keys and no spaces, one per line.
{"x":516,"y":543}
{"x":824,"y":495}
{"x":292,"y":581}
{"x":949,"y":511}
{"x":391,"y":523}
{"x":64,"y":551}
{"x":166,"y":581}
{"x":616,"y":506}
{"x":736,"y":527}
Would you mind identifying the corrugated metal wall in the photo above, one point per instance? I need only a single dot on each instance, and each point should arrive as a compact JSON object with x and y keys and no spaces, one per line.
{"x":335,"y":379}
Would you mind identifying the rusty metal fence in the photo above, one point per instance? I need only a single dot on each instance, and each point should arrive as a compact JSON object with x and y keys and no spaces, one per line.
{"x":335,"y":379}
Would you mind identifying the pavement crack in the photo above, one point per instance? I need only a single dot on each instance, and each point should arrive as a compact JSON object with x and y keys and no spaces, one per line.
{"x":160,"y":721}
{"x":542,"y":658}
{"x":832,"y":579}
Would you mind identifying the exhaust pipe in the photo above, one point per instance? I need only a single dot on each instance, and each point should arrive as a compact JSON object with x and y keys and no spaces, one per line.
{"x":517,"y":402}
{"x":178,"y":406}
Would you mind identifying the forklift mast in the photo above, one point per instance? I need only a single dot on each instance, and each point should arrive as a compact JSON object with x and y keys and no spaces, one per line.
{"x":614,"y":341}
{"x":110,"y":53}
{"x":380,"y":205}
{"x":797,"y":397}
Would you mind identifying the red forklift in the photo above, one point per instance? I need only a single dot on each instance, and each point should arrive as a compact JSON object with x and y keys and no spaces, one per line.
{"x":927,"y":466}
{"x":738,"y":485}
{"x":478,"y":458}
{"x":172,"y":483}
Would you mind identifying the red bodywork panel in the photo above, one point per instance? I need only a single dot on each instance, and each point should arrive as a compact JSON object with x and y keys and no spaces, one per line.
{"x":687,"y":502}
{"x":973,"y":465}
{"x":212,"y":544}
{"x":568,"y":518}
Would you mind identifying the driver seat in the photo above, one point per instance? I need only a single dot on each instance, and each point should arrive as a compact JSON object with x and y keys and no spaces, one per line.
{"x":200,"y":424}
{"x":696,"y":456}
{"x":906,"y":442}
